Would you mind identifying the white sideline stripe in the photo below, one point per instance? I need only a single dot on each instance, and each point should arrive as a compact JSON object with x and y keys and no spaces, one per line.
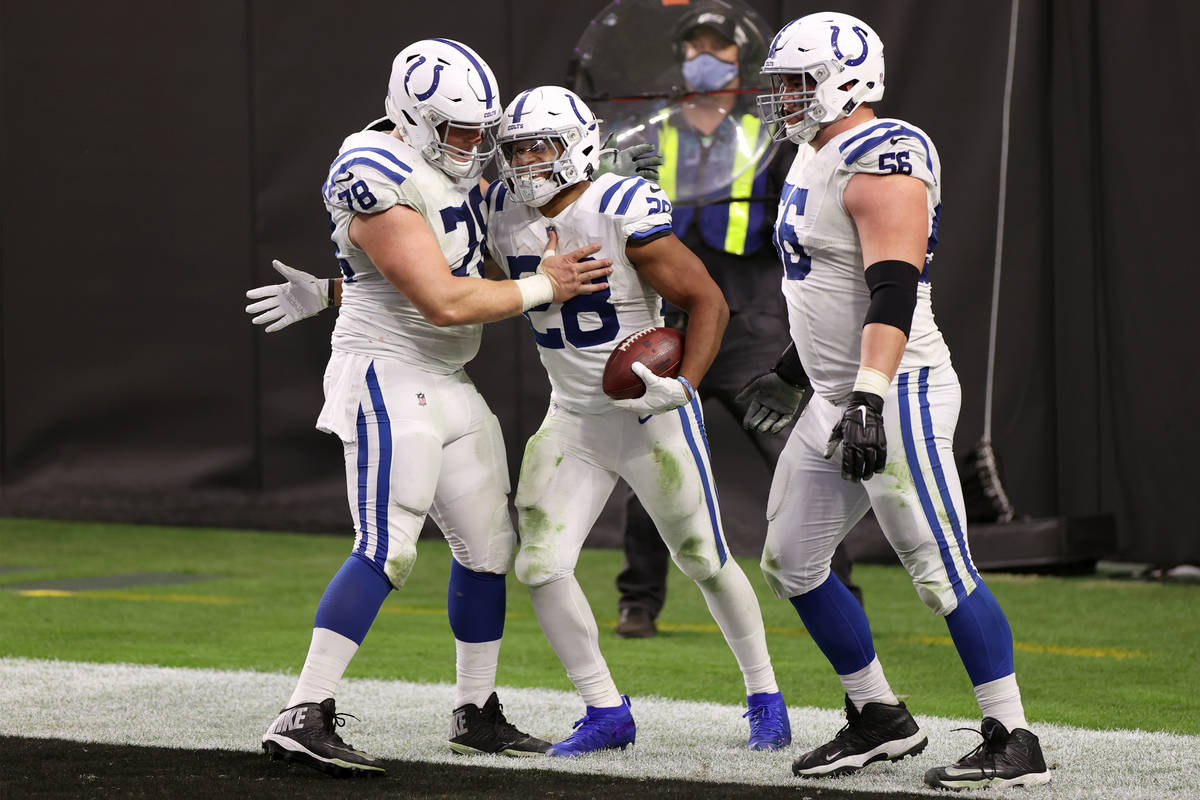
{"x":204,"y":708}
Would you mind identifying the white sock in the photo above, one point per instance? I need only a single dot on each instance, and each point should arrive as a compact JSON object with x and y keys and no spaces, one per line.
{"x":1001,"y":700}
{"x":475,"y":671}
{"x":868,"y":685}
{"x":328,"y":656}
{"x":734,"y":607}
{"x":570,"y":627}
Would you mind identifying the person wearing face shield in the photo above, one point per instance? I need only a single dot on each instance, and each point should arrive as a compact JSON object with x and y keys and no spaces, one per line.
{"x":706,"y":157}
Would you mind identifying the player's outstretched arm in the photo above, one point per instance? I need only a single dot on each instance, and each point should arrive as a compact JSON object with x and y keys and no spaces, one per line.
{"x":281,"y":304}
{"x":892,"y":218}
{"x":405,"y":251}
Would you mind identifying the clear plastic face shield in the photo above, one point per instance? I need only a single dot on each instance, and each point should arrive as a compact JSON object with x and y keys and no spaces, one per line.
{"x":791,"y":108}
{"x":675,"y":77}
{"x":534,"y":167}
{"x":465,"y":148}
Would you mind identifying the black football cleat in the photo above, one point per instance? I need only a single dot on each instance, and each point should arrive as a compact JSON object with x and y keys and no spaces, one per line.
{"x":1001,"y":759}
{"x":475,"y":731}
{"x":305,"y":734}
{"x":879,"y":732}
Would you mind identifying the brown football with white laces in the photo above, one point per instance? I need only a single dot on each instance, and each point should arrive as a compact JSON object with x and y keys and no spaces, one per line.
{"x":660,"y":349}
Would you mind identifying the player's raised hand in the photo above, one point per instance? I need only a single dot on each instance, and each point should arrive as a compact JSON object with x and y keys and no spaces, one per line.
{"x":282,"y":304}
{"x":642,"y":160}
{"x":575,"y":272}
{"x":864,"y":445}
{"x":772,"y":403}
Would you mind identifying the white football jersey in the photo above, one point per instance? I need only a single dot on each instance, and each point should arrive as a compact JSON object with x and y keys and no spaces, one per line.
{"x":818,"y":243}
{"x":575,"y":338}
{"x":373,"y":172}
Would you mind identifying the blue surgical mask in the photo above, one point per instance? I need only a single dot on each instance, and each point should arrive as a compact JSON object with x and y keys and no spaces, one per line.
{"x":707,"y":73}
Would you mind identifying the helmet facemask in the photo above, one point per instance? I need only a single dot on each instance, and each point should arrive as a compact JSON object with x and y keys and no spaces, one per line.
{"x":535,"y":182}
{"x":794,"y":113}
{"x":456,"y":161}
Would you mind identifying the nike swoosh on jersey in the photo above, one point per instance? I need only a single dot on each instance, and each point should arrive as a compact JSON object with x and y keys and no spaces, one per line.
{"x":642,"y":420}
{"x":344,"y":178}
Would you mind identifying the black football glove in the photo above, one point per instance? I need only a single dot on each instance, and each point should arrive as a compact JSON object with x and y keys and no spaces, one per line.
{"x":772,"y":403}
{"x":864,"y":445}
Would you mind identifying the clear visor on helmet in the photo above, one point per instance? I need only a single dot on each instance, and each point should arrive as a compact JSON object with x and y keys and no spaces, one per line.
{"x":466,"y":147}
{"x":534,"y":167}
{"x":791,"y":108}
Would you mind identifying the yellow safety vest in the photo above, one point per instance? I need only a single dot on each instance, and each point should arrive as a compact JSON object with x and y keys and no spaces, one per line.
{"x":742,"y":185}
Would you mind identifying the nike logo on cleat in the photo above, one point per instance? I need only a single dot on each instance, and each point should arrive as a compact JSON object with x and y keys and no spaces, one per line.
{"x":292,"y":720}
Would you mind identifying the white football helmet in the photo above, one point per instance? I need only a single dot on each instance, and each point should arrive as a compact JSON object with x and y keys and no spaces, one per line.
{"x":541,"y":121}
{"x":842,"y":60}
{"x":440,"y":85}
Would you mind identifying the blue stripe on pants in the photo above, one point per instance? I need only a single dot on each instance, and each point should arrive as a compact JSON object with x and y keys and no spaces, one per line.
{"x":713,"y":519}
{"x":938,"y":474}
{"x":362,"y":482}
{"x":914,"y":468}
{"x":383,"y":426}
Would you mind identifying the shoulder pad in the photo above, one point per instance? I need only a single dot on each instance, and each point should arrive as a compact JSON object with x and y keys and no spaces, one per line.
{"x":633,"y":196}
{"x":368,"y":173}
{"x":888,"y":147}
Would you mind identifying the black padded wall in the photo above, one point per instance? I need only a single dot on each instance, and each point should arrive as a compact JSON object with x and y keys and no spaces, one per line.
{"x":159,"y":155}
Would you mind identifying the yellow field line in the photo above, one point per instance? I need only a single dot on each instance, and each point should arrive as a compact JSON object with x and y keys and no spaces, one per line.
{"x":1051,"y":649}
{"x":688,"y":627}
{"x":136,"y":597}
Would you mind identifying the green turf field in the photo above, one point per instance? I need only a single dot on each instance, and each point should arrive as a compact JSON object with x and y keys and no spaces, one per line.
{"x":1091,"y":652}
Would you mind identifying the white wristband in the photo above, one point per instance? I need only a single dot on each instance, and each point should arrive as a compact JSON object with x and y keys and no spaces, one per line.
{"x":535,"y":290}
{"x":872,"y":381}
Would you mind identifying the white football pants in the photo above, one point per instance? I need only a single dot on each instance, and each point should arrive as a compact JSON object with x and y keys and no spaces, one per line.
{"x":917,"y":498}
{"x":419,"y":444}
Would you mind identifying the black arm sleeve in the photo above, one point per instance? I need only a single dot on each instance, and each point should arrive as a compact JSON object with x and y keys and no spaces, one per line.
{"x":893,"y":287}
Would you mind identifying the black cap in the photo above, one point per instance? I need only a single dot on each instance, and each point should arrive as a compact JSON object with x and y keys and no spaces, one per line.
{"x":719,"y":16}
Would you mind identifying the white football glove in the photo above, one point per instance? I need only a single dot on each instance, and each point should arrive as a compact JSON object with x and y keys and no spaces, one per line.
{"x":662,"y":394}
{"x":284,"y":303}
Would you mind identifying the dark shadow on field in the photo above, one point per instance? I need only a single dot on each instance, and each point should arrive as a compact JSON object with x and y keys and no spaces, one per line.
{"x":51,"y":768}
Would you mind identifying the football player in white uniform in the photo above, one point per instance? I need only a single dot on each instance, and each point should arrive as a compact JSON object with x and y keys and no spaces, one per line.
{"x":403,"y":198}
{"x":856,"y":228}
{"x":549,"y":144}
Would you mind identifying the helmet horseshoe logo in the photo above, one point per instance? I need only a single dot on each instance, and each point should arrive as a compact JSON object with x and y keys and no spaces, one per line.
{"x":437,"y":77}
{"x":862,"y":36}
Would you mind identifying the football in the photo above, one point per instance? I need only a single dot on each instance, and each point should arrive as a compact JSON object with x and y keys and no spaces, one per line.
{"x":660,"y":349}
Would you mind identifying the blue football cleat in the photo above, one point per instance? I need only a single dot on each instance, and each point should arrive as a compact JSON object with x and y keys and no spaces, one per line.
{"x":769,"y":725}
{"x":600,"y":729}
